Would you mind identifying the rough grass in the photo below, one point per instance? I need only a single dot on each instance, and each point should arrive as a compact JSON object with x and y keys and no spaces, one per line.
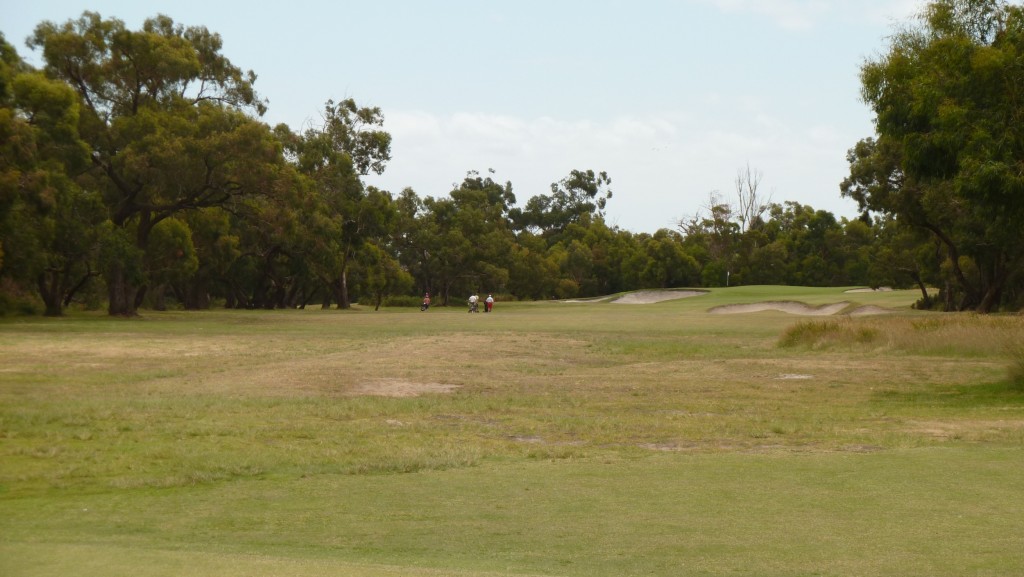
{"x":965,"y":336}
{"x":543,"y":439}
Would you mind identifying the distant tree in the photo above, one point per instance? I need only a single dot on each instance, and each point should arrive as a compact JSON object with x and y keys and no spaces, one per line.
{"x":381,"y":275}
{"x":582,"y":194}
{"x":751,"y":204}
{"x":712,"y":238}
{"x":464,"y":242}
{"x":668,"y":264}
{"x":347,"y":145}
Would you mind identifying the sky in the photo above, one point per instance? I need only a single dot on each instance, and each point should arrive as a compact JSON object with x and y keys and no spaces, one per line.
{"x":672,"y":98}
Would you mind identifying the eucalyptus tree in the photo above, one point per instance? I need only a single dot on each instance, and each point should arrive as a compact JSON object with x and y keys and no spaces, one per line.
{"x":811,"y":242}
{"x":533,"y":269}
{"x":949,"y":150}
{"x":751,"y":204}
{"x":169,"y":121}
{"x":380,"y":275}
{"x":581,"y":194}
{"x":47,"y":221}
{"x":612,"y":262}
{"x":900,"y":257}
{"x":413,"y":239}
{"x":275,"y":235}
{"x":668,"y":263}
{"x":170,"y":258}
{"x":466,"y":239}
{"x":712,"y":238}
{"x":217,"y":246}
{"x":347,"y":145}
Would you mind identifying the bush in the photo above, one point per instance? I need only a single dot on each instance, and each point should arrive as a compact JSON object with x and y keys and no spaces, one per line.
{"x":14,"y":300}
{"x":402,"y":301}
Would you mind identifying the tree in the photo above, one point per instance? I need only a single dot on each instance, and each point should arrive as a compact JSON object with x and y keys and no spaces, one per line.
{"x":713,"y":240}
{"x":346,"y":146}
{"x":582,"y":194}
{"x":750,"y":204}
{"x":382,"y":275}
{"x":47,"y":221}
{"x":461,"y":243}
{"x":949,"y":151}
{"x":668,"y":264}
{"x":166,"y":117}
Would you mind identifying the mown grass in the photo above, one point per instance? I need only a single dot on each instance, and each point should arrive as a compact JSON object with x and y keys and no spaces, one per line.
{"x":542,"y":439}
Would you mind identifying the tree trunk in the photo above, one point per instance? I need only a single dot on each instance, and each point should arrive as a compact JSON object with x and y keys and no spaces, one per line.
{"x":159,"y":293}
{"x":329,"y":291}
{"x":925,"y":297}
{"x":343,"y":302}
{"x":70,"y":293}
{"x":121,"y":294}
{"x":195,"y":297}
{"x":994,"y":291}
{"x":51,"y":292}
{"x":140,"y":296}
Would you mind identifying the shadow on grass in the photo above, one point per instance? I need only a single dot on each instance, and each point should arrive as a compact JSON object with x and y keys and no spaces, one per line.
{"x":1000,"y":393}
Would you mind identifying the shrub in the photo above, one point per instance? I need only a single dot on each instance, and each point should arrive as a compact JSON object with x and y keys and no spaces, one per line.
{"x":402,"y":301}
{"x":15,"y":300}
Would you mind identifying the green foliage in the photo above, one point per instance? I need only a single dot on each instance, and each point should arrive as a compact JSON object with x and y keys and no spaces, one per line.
{"x":948,"y":148}
{"x":215,"y":206}
{"x":47,"y":222}
{"x":164,"y":114}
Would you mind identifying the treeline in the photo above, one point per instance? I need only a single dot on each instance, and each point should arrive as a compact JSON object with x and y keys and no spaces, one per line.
{"x":135,"y":173}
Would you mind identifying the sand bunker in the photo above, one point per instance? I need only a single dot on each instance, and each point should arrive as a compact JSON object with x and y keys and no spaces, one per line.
{"x":648,"y":297}
{"x":790,"y":307}
{"x":797,"y":308}
{"x":869,"y":310}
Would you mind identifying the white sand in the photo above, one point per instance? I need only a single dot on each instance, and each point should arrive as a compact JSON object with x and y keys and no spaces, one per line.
{"x":652,"y":296}
{"x":790,"y":307}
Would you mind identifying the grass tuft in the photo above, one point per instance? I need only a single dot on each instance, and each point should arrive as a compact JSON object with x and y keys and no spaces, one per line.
{"x":1015,"y":350}
{"x":818,"y":335}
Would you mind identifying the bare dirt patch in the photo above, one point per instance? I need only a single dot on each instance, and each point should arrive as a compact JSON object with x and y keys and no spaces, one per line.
{"x":399,"y":388}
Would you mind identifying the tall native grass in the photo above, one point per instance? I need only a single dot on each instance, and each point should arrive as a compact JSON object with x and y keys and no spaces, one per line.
{"x":1015,"y":350}
{"x":966,"y":335}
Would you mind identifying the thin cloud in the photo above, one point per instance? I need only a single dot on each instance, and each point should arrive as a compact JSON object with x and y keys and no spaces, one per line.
{"x":808,"y":14}
{"x":434,"y":153}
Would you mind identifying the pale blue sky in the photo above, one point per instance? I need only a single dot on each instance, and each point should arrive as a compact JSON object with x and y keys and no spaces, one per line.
{"x":671,"y":98}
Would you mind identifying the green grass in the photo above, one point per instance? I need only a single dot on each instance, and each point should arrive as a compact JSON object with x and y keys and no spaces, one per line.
{"x":543,"y":439}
